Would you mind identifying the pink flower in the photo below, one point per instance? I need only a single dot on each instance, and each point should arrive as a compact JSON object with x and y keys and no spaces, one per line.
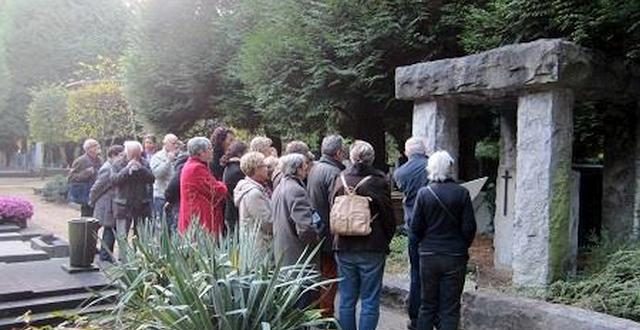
{"x":15,"y":208}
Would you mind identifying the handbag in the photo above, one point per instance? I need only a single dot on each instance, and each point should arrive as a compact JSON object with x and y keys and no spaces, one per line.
{"x":444,"y":207}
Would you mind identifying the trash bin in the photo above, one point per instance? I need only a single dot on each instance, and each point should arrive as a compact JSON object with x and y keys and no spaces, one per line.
{"x":83,"y":234}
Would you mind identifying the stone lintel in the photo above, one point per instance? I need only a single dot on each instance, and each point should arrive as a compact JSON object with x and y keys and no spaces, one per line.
{"x":508,"y":71}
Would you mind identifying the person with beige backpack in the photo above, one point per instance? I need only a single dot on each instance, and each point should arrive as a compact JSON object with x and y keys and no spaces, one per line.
{"x":363,"y":225}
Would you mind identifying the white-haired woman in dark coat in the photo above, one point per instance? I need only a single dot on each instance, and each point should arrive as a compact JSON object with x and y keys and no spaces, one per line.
{"x":444,"y":222}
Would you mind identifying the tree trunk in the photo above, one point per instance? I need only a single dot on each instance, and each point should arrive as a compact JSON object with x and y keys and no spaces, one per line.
{"x":369,"y":126}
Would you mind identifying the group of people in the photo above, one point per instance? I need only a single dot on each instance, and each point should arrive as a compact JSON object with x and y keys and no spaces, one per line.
{"x":223,"y":185}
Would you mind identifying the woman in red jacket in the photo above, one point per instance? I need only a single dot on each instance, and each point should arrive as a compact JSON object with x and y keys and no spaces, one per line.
{"x":201,"y":196}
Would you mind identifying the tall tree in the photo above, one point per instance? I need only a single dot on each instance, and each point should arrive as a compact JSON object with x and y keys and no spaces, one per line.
{"x":308,"y":61}
{"x":172,"y":70}
{"x":44,"y":40}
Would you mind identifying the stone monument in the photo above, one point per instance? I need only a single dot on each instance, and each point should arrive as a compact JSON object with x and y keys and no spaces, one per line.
{"x":534,"y":223}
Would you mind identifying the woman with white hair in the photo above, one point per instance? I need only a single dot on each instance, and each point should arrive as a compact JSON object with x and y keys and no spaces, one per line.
{"x":361,"y":259}
{"x":293,"y":228}
{"x":444,"y":222}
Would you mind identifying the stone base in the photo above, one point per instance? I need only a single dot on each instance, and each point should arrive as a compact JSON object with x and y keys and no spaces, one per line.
{"x":53,"y":246}
{"x":19,"y":251}
{"x":492,"y":310}
{"x":9,"y":228}
{"x":74,"y":270}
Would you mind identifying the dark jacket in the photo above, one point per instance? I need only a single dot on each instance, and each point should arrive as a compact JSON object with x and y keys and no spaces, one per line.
{"x":132,"y":198}
{"x":231,"y":176}
{"x":101,"y":196}
{"x":216,"y":168}
{"x":384,"y":224}
{"x":437,"y":231}
{"x":82,"y":175}
{"x":320,"y":183}
{"x":172,"y":193}
{"x":409,"y":178}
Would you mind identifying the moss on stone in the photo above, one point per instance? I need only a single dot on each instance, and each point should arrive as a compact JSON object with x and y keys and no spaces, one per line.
{"x":559,"y":222}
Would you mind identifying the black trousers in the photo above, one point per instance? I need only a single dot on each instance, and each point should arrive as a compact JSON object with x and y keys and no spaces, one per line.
{"x":442,"y":280}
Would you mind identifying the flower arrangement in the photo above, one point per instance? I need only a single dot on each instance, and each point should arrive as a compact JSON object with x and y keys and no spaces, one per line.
{"x":15,"y":210}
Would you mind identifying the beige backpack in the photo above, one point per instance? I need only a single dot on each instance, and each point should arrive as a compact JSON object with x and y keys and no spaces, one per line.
{"x":350,"y":213}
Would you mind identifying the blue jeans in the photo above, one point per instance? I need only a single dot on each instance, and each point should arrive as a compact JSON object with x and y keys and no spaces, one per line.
{"x":158,"y":207}
{"x":108,"y":241}
{"x":414,"y":289}
{"x":360,"y":278}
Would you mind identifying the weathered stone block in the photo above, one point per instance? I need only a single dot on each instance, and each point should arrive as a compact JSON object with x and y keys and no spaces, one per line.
{"x":504,"y":71}
{"x":541,"y":248}
{"x":490,"y":310}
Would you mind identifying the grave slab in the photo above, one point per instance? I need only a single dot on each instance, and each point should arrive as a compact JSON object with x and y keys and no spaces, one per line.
{"x":8,"y":228}
{"x":27,"y":280}
{"x":10,"y":237}
{"x":19,"y":251}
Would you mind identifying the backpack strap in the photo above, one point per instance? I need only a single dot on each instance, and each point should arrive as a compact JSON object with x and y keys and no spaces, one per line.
{"x":366,"y":178}
{"x":347,"y":190}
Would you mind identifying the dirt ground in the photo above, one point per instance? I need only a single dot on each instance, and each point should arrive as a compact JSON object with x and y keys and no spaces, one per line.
{"x":50,"y":216}
{"x":481,"y":258}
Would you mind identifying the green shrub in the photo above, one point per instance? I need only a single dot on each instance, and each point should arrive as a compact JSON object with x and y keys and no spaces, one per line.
{"x":610,"y":283}
{"x":55,"y":190}
{"x":193,"y":282}
{"x":398,"y":259}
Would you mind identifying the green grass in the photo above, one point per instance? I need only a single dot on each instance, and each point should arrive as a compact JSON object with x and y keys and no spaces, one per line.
{"x":398,"y":259}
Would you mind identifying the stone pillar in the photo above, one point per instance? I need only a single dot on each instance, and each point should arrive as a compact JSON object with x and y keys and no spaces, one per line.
{"x":542,"y":227}
{"x":619,"y":172}
{"x":437,"y":121}
{"x":636,"y":204}
{"x":505,"y":192}
{"x":38,"y":161}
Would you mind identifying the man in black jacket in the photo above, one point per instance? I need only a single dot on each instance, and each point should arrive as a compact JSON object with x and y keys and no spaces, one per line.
{"x":320,"y":183}
{"x":132,"y":202}
{"x":172,"y":193}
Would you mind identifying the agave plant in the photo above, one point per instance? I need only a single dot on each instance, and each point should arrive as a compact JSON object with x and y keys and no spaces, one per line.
{"x":195,"y":281}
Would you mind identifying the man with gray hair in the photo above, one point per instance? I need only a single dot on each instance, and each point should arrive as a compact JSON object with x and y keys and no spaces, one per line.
{"x":320,"y":183}
{"x":132,"y":202}
{"x":162,"y":167}
{"x":82,"y":175}
{"x":409,"y":178}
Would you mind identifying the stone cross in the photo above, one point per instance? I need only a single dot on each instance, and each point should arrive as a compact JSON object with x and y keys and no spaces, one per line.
{"x":506,"y":178}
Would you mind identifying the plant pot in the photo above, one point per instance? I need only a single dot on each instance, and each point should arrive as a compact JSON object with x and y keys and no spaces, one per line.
{"x":83,"y":234}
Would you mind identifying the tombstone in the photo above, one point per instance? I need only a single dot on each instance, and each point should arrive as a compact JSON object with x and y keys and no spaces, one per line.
{"x":38,"y":161}
{"x":536,"y":187}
